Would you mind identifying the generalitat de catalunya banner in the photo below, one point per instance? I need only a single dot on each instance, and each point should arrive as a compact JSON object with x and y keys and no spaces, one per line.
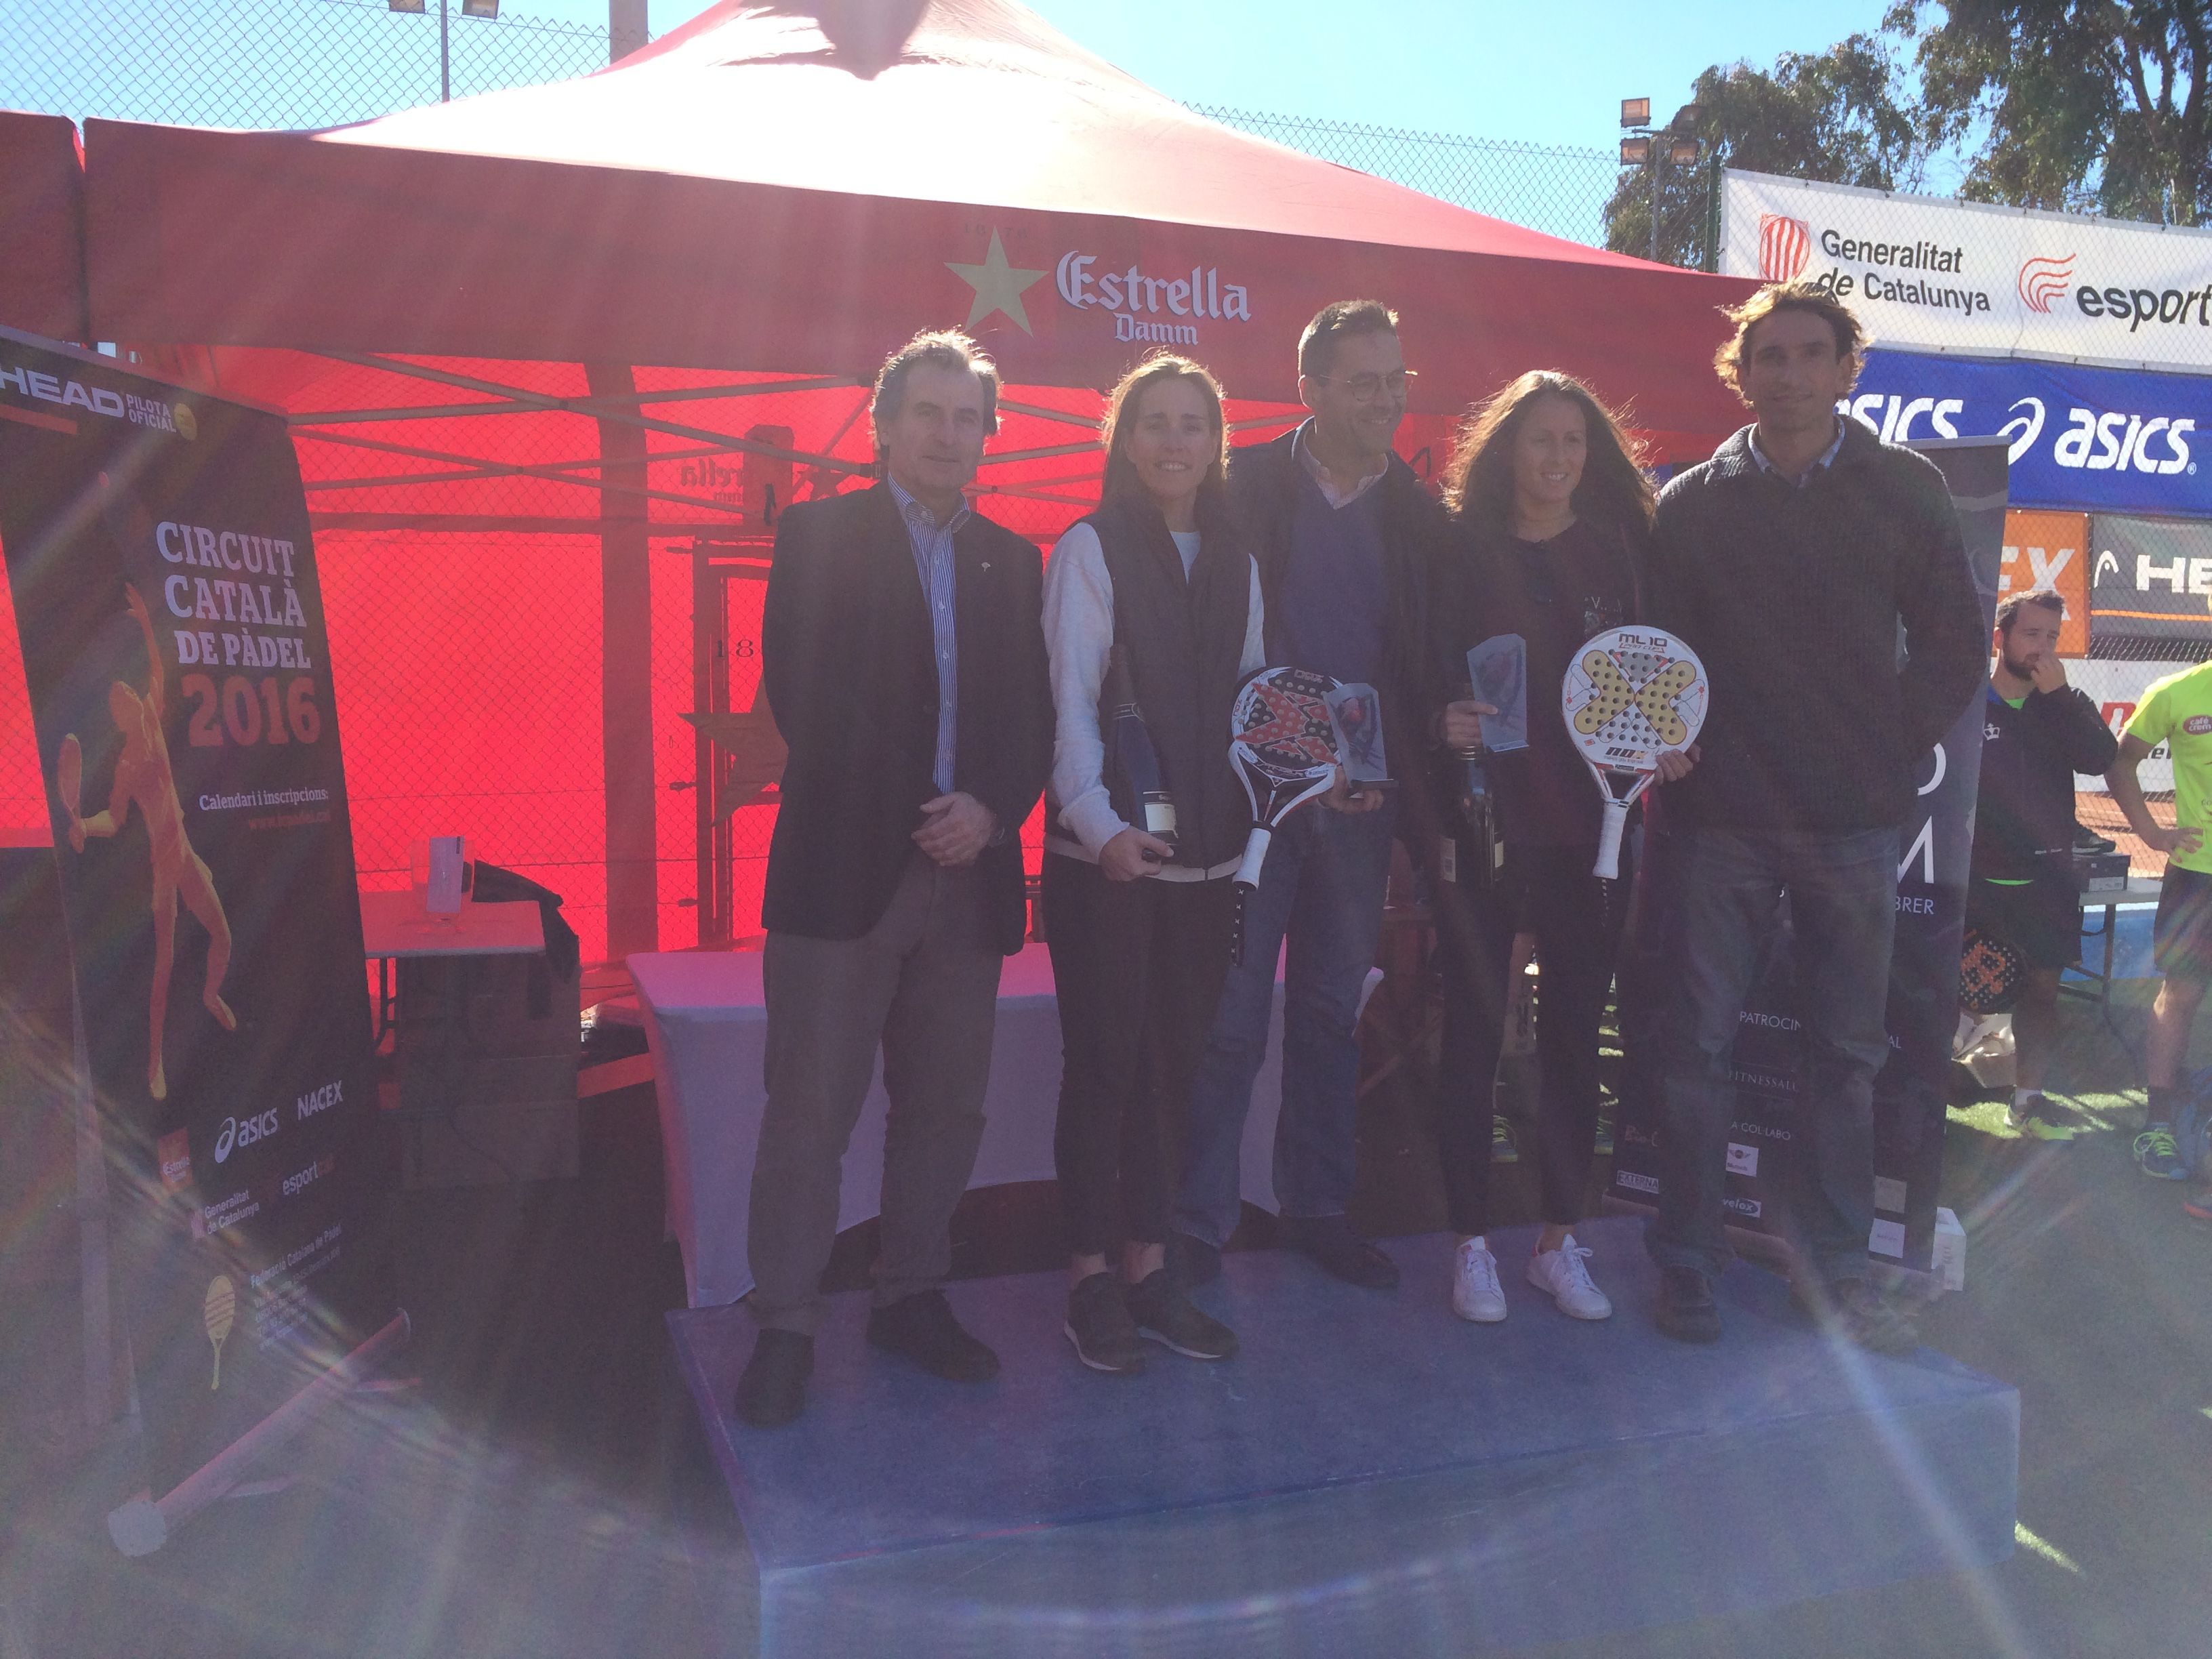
{"x":164,"y":585}
{"x":1930,"y":274}
{"x":1766,"y":1138}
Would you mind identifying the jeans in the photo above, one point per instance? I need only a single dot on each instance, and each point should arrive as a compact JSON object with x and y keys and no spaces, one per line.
{"x":1724,"y":889}
{"x":1322,"y":889}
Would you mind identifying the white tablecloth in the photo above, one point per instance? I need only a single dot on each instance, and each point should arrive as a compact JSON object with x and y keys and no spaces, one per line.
{"x":706,"y":1025}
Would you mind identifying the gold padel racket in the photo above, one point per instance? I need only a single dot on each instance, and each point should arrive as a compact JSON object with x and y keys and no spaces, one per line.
{"x":1630,"y":693}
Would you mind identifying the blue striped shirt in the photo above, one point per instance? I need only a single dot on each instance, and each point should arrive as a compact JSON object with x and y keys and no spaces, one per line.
{"x":933,"y":563}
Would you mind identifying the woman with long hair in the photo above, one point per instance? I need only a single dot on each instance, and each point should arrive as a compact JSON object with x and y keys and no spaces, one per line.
{"x":1153,"y":601}
{"x":1553,"y":516}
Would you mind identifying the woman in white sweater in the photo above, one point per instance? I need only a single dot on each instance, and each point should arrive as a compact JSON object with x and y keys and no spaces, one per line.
{"x":1157,"y":584}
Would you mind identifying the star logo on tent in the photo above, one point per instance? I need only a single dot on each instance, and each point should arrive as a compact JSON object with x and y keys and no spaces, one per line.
{"x":998,"y":285}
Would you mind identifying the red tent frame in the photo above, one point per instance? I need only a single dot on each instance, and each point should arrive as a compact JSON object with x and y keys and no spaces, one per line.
{"x":554,"y":327}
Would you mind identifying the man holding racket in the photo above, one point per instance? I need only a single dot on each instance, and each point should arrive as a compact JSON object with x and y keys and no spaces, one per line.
{"x":905,"y":662}
{"x":1787,"y":563}
{"x":2037,"y":733}
{"x":1343,"y":534}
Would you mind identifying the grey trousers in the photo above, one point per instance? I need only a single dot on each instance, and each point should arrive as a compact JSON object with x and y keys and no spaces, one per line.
{"x":923,"y":984}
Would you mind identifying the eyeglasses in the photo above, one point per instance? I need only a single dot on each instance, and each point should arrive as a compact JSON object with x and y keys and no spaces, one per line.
{"x":1366,"y":388}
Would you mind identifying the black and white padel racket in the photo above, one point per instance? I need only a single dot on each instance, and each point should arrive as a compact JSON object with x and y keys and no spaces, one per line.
{"x":1282,"y":746}
{"x":1630,"y":695}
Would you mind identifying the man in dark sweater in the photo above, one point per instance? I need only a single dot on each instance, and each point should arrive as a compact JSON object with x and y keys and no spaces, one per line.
{"x":1342,"y":533}
{"x":2037,"y":733}
{"x":1788,"y":562}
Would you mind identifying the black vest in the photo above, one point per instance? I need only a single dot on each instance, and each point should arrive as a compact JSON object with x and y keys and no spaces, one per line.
{"x":1185,"y":639}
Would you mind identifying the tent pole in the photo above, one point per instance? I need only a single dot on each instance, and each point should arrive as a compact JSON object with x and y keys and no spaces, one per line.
{"x":626,"y":676}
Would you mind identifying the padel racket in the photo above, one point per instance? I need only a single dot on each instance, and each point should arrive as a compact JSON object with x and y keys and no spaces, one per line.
{"x":1630,"y":695}
{"x":1990,"y":971}
{"x":69,"y":773}
{"x":1282,"y":746}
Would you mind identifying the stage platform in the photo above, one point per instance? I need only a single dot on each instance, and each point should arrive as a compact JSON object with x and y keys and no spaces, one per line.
{"x":1370,"y":1475}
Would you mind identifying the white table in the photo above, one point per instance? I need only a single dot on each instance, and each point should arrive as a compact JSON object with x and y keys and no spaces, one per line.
{"x":706,"y":1025}
{"x":394,"y":925}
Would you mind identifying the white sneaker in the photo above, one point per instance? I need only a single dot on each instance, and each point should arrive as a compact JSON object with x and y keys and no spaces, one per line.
{"x":1560,"y":1275}
{"x":1476,"y":1293}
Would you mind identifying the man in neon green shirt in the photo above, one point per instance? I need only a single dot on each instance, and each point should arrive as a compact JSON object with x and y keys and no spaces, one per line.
{"x":2176,"y":711}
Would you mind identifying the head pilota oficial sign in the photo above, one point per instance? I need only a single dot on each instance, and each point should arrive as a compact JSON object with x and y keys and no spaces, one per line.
{"x":1930,"y":274}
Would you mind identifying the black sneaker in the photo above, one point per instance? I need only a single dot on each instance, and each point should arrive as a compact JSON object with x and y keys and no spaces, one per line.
{"x":773,"y":1390}
{"x":1099,"y":1326}
{"x":2043,"y":1119}
{"x":1194,"y":1260}
{"x":2088,"y":842}
{"x":1686,"y":1309}
{"x":921,"y":1327}
{"x":1165,"y":1315}
{"x":1340,"y":1252}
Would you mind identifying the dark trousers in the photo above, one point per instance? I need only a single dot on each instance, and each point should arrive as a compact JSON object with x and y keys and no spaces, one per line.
{"x":1578,"y":927}
{"x":1725,"y":892}
{"x":922,"y":986}
{"x":1137,"y":966}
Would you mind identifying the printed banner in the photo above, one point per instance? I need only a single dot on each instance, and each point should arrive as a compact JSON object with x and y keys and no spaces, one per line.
{"x":2044,"y":551}
{"x":1936,"y":844}
{"x":2150,"y":579}
{"x":165,"y":589}
{"x":2085,"y":439}
{"x":2116,"y":687}
{"x":1934,"y":274}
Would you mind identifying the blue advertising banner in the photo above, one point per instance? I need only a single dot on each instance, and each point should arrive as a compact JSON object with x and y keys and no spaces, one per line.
{"x":2089,"y":438}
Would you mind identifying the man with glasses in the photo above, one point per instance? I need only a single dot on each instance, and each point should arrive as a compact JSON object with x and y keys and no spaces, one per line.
{"x":1343,"y":532}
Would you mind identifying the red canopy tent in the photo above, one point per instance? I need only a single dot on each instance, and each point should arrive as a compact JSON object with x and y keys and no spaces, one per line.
{"x":527,"y":337}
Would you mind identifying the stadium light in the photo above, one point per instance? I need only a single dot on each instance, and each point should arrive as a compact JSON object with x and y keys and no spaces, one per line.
{"x":1634,"y":112}
{"x":1683,"y":152}
{"x":414,"y":6}
{"x":1635,"y":152}
{"x":484,"y":9}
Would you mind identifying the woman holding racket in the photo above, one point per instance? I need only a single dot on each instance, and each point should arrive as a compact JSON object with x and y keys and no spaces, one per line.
{"x":1553,"y":518}
{"x":1158,"y":583}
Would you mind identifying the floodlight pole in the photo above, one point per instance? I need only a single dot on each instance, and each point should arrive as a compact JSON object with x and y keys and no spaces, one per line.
{"x":445,"y":57}
{"x":626,"y":28}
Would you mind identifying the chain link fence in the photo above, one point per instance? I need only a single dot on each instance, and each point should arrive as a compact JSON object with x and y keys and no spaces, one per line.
{"x":268,"y":63}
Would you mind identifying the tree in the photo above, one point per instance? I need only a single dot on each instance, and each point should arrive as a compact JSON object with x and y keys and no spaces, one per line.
{"x":2094,"y":106}
{"x":1843,"y":116}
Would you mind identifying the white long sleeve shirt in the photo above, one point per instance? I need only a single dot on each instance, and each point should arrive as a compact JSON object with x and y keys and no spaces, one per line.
{"x":1079,"y":636}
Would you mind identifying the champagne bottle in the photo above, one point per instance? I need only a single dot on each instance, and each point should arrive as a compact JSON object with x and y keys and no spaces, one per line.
{"x":1133,"y":782}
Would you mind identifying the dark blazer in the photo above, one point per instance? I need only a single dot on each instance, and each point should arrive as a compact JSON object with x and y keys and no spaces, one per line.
{"x":1264,"y":480}
{"x":850,"y":670}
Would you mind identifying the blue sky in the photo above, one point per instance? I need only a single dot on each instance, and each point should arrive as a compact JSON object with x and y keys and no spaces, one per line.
{"x":1549,"y":73}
